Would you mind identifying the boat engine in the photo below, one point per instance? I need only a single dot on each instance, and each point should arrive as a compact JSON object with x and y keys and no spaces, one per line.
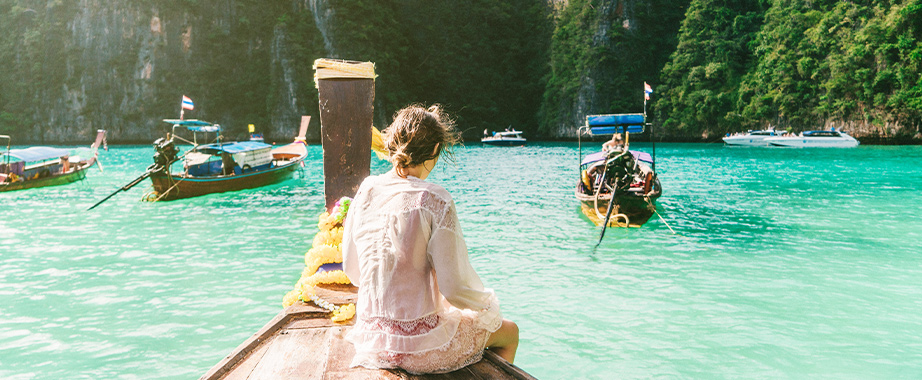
{"x":164,"y":152}
{"x":620,"y":171}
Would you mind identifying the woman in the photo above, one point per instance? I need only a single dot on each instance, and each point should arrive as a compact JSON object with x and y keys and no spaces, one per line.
{"x":421,"y":306}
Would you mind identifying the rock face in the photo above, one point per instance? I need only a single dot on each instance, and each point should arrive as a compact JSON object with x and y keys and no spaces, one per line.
{"x":600,"y":58}
{"x":124,"y":66}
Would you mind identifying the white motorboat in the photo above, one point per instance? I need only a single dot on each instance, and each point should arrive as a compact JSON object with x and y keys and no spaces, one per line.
{"x":507,"y":138}
{"x":815,"y":139}
{"x":751,"y":138}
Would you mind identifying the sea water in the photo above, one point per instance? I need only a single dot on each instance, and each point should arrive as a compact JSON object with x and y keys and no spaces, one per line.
{"x":762,"y":263}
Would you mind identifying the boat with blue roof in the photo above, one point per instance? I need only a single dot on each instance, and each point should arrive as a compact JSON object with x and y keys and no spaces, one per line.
{"x":617,"y":186}
{"x":219,"y":166}
{"x":42,"y":166}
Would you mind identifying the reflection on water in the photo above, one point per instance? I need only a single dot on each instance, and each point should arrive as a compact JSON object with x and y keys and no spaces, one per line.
{"x":786,"y":263}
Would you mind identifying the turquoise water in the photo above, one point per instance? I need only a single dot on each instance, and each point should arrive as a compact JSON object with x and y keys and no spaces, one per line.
{"x":786,"y":263}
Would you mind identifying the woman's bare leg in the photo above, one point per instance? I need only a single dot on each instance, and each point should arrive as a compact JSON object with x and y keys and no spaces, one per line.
{"x":505,"y":341}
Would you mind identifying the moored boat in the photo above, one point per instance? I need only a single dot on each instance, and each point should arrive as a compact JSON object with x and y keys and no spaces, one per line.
{"x":220,"y":166}
{"x":751,"y":138}
{"x":509,"y":137}
{"x":45,"y":166}
{"x":617,"y":184}
{"x":815,"y":139}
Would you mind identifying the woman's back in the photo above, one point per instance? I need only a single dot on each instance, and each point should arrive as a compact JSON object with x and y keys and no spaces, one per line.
{"x":393,"y":219}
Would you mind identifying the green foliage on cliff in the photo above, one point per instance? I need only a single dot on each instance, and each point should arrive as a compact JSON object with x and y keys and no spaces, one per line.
{"x":700,"y":83}
{"x":794,"y":64}
{"x":482,"y":59}
{"x":601,"y":54}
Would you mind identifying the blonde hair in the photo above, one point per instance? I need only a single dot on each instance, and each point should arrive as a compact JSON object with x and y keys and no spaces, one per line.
{"x":412,"y":137}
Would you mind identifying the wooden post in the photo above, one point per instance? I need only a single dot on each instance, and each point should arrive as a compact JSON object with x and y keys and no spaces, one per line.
{"x":346,"y":93}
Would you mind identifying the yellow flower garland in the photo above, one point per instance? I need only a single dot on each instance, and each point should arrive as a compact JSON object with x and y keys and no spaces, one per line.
{"x":325,"y":250}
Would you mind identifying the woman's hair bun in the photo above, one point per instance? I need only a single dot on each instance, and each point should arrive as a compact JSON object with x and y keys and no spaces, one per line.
{"x":419,"y":134}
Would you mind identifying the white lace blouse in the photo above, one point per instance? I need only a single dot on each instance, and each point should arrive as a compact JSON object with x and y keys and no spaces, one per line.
{"x":403,"y":247}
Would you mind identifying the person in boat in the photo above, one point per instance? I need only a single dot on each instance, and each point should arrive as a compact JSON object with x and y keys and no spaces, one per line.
{"x":421,"y":306}
{"x":616,"y":143}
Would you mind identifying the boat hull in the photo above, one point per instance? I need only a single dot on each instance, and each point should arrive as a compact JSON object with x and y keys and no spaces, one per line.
{"x":813,"y":142}
{"x":169,"y":187}
{"x":637,"y":207}
{"x":746,"y":141}
{"x":504,"y":142}
{"x":54,"y":180}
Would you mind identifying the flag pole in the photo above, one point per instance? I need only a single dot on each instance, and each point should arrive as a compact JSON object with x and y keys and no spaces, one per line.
{"x":652,"y":129}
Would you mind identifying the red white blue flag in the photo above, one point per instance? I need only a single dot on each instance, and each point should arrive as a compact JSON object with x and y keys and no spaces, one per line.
{"x":647,"y":90}
{"x":187,"y":103}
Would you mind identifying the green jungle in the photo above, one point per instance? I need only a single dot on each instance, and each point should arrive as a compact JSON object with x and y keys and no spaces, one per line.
{"x":68,"y":68}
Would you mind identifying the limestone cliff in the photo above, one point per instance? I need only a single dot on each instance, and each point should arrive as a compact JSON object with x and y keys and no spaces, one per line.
{"x":124,"y":66}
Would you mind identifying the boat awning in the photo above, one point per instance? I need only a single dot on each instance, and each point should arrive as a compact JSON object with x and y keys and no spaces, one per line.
{"x":195,"y":125}
{"x":615,"y":123}
{"x":38,"y":153}
{"x":601,"y":156}
{"x":233,"y":148}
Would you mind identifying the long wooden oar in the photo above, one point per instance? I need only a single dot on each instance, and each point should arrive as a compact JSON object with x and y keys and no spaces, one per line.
{"x":611,"y":203}
{"x":153,"y":168}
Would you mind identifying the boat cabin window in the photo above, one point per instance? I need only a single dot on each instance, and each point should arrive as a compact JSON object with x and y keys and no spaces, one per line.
{"x":822,"y":134}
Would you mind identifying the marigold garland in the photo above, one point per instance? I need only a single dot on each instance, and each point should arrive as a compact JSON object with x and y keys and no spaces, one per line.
{"x":325,"y":250}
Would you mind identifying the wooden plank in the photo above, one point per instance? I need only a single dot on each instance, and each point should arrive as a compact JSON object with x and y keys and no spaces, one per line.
{"x":340,"y":357}
{"x":341,"y":350}
{"x":243,"y":369}
{"x":244,"y":350}
{"x":294,"y":354}
{"x":346,"y":116}
{"x":513,"y":371}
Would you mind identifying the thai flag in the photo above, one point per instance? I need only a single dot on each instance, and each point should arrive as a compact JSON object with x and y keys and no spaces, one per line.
{"x":647,"y":90}
{"x":187,"y":103}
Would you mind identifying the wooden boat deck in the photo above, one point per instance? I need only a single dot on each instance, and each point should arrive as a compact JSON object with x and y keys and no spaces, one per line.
{"x":302,"y":343}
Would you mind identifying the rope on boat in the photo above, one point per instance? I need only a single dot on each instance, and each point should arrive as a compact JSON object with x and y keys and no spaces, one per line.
{"x":664,"y":221}
{"x":168,"y":190}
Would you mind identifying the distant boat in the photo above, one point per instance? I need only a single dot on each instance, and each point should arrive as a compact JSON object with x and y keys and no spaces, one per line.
{"x":507,"y":138}
{"x":751,"y":138}
{"x":618,"y":175}
{"x":255,"y":136}
{"x":815,"y":139}
{"x":41,"y":166}
{"x":221,"y":166}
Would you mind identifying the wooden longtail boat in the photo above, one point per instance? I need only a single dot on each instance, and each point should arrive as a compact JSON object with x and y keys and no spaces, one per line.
{"x":302,"y":343}
{"x":44,"y":166}
{"x":618,"y":175}
{"x":221,"y":166}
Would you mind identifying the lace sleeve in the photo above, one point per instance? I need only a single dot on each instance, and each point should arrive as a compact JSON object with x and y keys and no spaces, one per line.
{"x":457,"y":280}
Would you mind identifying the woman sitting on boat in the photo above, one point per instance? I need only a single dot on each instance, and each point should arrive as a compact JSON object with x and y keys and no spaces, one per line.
{"x":421,"y":305}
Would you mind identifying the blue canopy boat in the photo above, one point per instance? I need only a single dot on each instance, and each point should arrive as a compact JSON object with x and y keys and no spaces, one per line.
{"x":42,"y":166}
{"x":617,"y":174}
{"x":220,"y":166}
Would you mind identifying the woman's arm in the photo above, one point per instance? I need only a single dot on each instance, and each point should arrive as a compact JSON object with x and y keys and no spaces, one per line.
{"x":457,"y":280}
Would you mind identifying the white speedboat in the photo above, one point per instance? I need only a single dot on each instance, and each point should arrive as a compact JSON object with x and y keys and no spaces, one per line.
{"x":751,"y":138}
{"x":507,"y":138}
{"x":815,"y":139}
